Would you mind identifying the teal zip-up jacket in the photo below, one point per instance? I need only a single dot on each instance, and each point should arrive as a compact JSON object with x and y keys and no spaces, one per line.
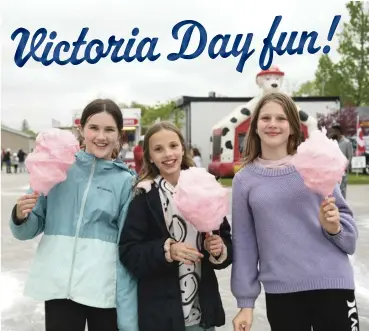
{"x":81,"y":220}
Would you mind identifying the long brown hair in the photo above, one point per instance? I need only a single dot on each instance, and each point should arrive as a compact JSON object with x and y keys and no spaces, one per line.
{"x":149,"y":170}
{"x":252,"y":143}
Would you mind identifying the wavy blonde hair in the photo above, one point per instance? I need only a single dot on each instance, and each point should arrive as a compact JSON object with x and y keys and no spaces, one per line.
{"x":252,"y":143}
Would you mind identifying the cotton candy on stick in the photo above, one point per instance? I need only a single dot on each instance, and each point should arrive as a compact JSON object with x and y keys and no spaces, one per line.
{"x":201,"y":200}
{"x":320,"y":162}
{"x":51,"y":159}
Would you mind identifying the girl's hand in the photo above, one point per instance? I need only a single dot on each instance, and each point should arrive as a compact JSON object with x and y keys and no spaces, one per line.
{"x":329,"y":216}
{"x":183,"y":252}
{"x":25,"y":205}
{"x":213,"y":244}
{"x":243,"y":320}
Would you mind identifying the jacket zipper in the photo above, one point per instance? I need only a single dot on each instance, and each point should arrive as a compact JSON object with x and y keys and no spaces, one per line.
{"x":79,"y":226}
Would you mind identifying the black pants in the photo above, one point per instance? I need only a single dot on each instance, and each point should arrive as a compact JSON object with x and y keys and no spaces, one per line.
{"x":324,"y":310}
{"x":67,"y":315}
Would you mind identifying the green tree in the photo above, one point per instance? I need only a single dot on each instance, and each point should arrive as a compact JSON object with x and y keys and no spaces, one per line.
{"x":26,"y":129}
{"x":307,"y":89}
{"x":349,"y":78}
{"x":166,"y":111}
{"x":327,"y":80}
{"x":144,"y":108}
{"x":354,"y":51}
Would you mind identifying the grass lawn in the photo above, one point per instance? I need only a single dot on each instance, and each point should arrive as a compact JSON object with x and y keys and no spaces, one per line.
{"x":352,"y":180}
{"x":359,"y":179}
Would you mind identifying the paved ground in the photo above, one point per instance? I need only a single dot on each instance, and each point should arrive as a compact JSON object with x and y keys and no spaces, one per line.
{"x":23,"y":314}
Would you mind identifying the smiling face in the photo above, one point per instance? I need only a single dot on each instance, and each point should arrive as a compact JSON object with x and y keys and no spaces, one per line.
{"x":101,"y":135}
{"x":274,"y":130}
{"x":273,"y":127}
{"x":166,"y":152}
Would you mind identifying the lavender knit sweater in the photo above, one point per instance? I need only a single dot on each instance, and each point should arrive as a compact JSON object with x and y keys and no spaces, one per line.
{"x":278,"y":240}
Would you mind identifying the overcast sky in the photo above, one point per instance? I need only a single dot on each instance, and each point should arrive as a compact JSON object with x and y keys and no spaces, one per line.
{"x":40,"y":93}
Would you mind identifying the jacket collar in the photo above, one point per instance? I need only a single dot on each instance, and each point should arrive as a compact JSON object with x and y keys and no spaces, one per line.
{"x":86,"y":159}
{"x":154,"y":203}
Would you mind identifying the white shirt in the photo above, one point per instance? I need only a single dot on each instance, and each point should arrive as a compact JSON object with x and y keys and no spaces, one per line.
{"x":197,"y":160}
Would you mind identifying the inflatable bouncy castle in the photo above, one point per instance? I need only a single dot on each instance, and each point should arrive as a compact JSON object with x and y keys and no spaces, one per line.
{"x":228,"y":134}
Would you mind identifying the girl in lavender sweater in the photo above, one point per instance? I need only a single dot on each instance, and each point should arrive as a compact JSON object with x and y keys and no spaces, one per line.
{"x":286,"y":237}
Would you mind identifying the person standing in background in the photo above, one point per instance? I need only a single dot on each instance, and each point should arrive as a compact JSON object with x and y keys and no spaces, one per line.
{"x":197,"y":157}
{"x":347,"y":150}
{"x":22,"y":158}
{"x":7,"y":159}
{"x":123,"y":151}
{"x":15,"y":162}
{"x":2,"y":158}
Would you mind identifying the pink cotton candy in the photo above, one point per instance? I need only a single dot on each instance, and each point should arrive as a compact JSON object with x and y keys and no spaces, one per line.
{"x":200,"y":199}
{"x":320,"y":162}
{"x":51,"y":159}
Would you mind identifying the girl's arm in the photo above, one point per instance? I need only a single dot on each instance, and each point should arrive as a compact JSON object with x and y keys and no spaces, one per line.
{"x":127,"y":284}
{"x":33,"y":225}
{"x":140,"y":255}
{"x":225,"y":259}
{"x":244,"y":277}
{"x":347,"y":237}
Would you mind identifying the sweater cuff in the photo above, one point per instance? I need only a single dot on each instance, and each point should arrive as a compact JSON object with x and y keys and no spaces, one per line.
{"x":334,"y":237}
{"x":245,"y":303}
{"x":221,"y":258}
{"x":15,"y":219}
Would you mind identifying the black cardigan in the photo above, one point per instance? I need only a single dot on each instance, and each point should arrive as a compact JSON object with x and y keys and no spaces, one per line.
{"x":141,"y":250}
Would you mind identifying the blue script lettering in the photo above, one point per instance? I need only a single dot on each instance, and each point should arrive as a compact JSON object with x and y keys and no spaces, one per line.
{"x":223,"y":40}
{"x":186,"y":40}
{"x":235,"y":51}
{"x":95,"y":50}
{"x":267,"y":53}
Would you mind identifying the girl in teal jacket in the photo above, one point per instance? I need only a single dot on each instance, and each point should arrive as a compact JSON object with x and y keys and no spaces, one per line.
{"x":76,"y":269}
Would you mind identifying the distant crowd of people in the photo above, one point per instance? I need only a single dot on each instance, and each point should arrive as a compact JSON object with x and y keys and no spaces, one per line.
{"x":15,"y":160}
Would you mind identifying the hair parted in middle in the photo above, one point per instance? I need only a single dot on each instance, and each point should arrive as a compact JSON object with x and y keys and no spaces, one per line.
{"x":252,"y":143}
{"x":149,"y":169}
